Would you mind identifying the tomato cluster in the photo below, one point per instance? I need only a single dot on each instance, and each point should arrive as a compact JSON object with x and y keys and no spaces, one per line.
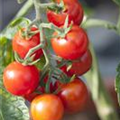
{"x":25,"y":80}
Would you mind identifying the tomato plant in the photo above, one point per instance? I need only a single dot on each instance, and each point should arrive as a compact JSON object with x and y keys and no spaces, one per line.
{"x":72,"y":9}
{"x":47,"y":107}
{"x":22,"y":44}
{"x":74,"y":96}
{"x":45,"y":60}
{"x":20,"y":80}
{"x":73,"y":45}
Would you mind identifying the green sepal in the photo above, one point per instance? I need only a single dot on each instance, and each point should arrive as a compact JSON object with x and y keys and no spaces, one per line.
{"x":57,"y":7}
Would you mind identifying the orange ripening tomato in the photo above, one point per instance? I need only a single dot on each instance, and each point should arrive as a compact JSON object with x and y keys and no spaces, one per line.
{"x":82,"y":65}
{"x":22,"y":45}
{"x":73,"y":10}
{"x":47,"y":107}
{"x":73,"y":45}
{"x":20,"y":80}
{"x":74,"y":96}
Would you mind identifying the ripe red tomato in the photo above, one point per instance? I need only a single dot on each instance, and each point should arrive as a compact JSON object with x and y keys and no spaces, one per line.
{"x":22,"y":45}
{"x":73,"y":10}
{"x":20,"y":80}
{"x":74,"y":96}
{"x":82,"y":65}
{"x":73,"y":46}
{"x":47,"y":107}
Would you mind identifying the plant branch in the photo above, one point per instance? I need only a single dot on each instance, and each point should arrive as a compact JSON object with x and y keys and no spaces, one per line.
{"x":32,"y":50}
{"x":25,"y":9}
{"x":100,"y":95}
{"x":118,"y":24}
{"x":46,"y":5}
{"x":99,"y":23}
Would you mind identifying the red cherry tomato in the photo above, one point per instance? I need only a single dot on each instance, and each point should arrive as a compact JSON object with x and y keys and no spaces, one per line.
{"x":22,"y":45}
{"x":83,"y":65}
{"x":73,"y":10}
{"x":74,"y":96}
{"x":73,"y":46}
{"x":20,"y":80}
{"x":47,"y":107}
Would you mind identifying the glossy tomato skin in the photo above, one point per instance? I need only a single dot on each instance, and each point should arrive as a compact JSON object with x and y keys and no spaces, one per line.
{"x":47,"y":107}
{"x":74,"y":96}
{"x":82,"y":65}
{"x":73,"y":10}
{"x":73,"y":46}
{"x":20,"y":80}
{"x":22,"y":45}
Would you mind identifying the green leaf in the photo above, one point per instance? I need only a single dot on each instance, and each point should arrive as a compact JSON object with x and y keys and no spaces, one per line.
{"x":12,"y":107}
{"x":6,"y":55}
{"x":117,"y":2}
{"x":117,"y":83}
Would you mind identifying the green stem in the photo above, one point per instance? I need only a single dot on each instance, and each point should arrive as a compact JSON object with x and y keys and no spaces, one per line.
{"x":45,"y":5}
{"x":22,"y":12}
{"x":99,"y":23}
{"x":45,"y":51}
{"x":100,"y":95}
{"x":51,"y":26}
{"x":25,"y":9}
{"x":37,"y":9}
{"x":32,"y":50}
{"x":118,"y":24}
{"x":1,"y":115}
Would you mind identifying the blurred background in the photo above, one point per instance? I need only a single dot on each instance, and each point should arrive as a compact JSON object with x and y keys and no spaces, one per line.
{"x":105,"y":42}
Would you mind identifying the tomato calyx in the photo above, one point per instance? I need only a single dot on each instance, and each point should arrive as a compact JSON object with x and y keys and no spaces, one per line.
{"x":25,"y":62}
{"x":65,"y":29}
{"x":28,"y":32}
{"x":57,"y":7}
